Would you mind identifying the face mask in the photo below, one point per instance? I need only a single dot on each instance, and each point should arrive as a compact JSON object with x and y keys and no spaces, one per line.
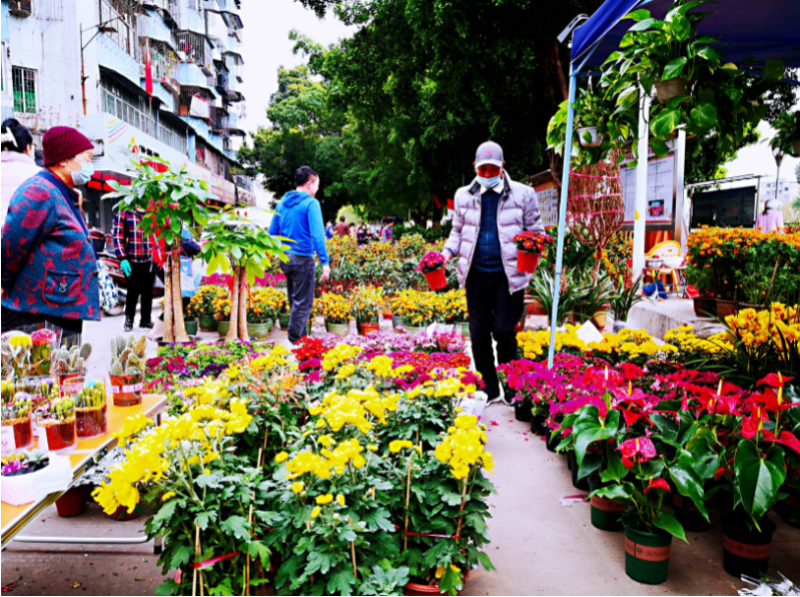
{"x":84,"y":175}
{"x":489,"y":183}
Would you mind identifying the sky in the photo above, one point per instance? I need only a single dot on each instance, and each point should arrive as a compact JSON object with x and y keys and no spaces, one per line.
{"x":267,"y":47}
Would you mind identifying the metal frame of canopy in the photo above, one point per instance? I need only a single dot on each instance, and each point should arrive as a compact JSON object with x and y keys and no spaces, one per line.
{"x":587,"y":39}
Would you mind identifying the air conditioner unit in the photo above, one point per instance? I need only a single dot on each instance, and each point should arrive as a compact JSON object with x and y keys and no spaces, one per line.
{"x":20,"y":8}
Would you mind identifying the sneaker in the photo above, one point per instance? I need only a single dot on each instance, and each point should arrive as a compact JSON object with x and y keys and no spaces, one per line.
{"x":146,"y":325}
{"x":128,"y":325}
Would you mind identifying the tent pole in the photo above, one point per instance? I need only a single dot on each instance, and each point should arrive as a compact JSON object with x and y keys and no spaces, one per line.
{"x":681,"y":230}
{"x":640,"y":213}
{"x":562,"y":215}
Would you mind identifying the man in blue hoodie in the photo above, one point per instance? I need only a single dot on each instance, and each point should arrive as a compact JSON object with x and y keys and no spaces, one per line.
{"x":298,"y":217}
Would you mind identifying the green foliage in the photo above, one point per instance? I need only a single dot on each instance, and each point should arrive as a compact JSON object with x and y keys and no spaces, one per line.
{"x":170,"y":199}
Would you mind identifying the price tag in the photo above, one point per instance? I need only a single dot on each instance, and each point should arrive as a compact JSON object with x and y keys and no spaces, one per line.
{"x":7,"y":444}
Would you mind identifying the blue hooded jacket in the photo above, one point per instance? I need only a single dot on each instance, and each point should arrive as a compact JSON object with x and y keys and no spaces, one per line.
{"x":299,"y":217}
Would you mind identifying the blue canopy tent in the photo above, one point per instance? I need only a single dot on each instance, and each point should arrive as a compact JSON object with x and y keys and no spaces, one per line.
{"x":761,"y":29}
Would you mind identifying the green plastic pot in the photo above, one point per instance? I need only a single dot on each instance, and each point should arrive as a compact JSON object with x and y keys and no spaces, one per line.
{"x":223,"y":327}
{"x":647,"y":555}
{"x":207,"y":323}
{"x":688,"y":515}
{"x":606,"y":514}
{"x":340,"y":329}
{"x":191,"y":326}
{"x":464,"y":325}
{"x":258,"y":330}
{"x":397,"y":321}
{"x":283,"y":319}
{"x":415,"y":329}
{"x":746,"y":551}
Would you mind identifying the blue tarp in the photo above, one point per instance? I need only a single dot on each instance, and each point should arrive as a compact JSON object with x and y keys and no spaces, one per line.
{"x":763,"y":29}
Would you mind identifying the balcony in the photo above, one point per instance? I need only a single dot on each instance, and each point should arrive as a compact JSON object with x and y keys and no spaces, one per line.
{"x":194,"y":21}
{"x":234,"y":46}
{"x":112,"y":57}
{"x":192,"y":75}
{"x":204,"y":131}
{"x":154,"y":27}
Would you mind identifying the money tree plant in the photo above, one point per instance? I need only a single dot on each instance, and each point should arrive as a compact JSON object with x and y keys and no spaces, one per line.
{"x":168,"y":200}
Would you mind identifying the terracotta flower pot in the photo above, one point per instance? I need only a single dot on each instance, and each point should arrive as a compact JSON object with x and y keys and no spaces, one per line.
{"x":705,"y":306}
{"x":74,"y":502}
{"x":537,"y":309}
{"x":725,"y":307}
{"x":437,"y":279}
{"x":527,"y":262}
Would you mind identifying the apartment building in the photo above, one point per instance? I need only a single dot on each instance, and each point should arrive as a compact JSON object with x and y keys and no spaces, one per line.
{"x":139,"y":77}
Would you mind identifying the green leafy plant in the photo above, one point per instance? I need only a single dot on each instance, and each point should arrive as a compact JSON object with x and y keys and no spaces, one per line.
{"x":170,"y":200}
{"x":235,"y":244}
{"x":787,"y":128}
{"x":628,"y":295}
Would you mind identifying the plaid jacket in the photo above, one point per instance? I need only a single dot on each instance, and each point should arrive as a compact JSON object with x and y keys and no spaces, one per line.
{"x":129,"y":242}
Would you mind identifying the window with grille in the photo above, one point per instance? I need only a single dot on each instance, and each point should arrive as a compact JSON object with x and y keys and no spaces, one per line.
{"x":24,"y":89}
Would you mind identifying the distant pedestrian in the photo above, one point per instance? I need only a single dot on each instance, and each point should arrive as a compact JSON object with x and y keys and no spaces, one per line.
{"x":299,"y":217}
{"x":362,"y":235}
{"x":18,"y":163}
{"x":771,"y":219}
{"x":49,"y":266}
{"x":135,"y":252}
{"x":387,"y":234}
{"x":329,"y":229}
{"x":342,"y":229}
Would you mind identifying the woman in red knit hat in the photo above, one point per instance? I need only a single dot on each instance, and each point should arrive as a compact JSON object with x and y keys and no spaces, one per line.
{"x":49,"y":266}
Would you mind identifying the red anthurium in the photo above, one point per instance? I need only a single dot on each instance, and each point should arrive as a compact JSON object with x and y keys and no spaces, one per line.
{"x":787,"y":439}
{"x":720,"y":404}
{"x":637,"y":449}
{"x":657,"y":484}
{"x":630,"y":416}
{"x":720,"y":473}
{"x":752,"y":425}
{"x":772,"y":400}
{"x":631,"y":372}
{"x":775,"y":380}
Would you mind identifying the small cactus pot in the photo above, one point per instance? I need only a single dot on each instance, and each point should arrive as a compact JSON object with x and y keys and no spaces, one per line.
{"x":127,"y":389}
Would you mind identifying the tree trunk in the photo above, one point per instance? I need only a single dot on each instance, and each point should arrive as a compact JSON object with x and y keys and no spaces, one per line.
{"x":244,"y":334}
{"x":169,"y":330}
{"x":177,"y":299}
{"x":233,"y":332}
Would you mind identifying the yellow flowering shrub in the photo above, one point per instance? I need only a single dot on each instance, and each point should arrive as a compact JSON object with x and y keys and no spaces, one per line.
{"x":335,"y":308}
{"x":463,"y":447}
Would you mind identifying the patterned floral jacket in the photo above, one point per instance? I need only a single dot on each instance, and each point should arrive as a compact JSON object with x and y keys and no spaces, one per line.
{"x":48,"y":263}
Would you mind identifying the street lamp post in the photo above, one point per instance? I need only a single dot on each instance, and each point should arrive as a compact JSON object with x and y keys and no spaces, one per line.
{"x":101,"y":28}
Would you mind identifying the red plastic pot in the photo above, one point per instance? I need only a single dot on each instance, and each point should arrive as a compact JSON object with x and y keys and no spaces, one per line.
{"x":413,"y":588}
{"x":527,"y":262}
{"x":436,"y":279}
{"x":121,"y":513}
{"x":74,"y":502}
{"x":368,"y":328}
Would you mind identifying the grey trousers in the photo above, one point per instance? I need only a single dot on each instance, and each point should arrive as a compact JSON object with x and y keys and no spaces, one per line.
{"x":300,"y":275}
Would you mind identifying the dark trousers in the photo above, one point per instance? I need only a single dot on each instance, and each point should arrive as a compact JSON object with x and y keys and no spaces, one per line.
{"x":493,"y":313}
{"x":140,"y":284}
{"x":300,"y":275}
{"x":15,"y":320}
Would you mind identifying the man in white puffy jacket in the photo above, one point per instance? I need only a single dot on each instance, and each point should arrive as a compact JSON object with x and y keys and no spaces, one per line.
{"x":489,"y":213}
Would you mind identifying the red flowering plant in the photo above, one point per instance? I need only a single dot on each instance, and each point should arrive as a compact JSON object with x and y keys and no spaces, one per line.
{"x":764,"y":466}
{"x":533,"y":242}
{"x":431,"y":262}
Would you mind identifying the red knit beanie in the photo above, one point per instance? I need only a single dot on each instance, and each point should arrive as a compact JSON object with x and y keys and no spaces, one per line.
{"x":63,"y":143}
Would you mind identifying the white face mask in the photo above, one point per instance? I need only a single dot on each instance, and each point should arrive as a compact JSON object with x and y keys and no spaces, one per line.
{"x":82,"y":176}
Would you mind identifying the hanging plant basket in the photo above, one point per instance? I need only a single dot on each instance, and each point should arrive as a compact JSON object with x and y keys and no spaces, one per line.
{"x":670,"y":88}
{"x":594,"y":139}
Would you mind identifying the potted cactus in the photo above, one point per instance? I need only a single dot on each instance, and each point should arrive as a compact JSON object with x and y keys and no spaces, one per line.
{"x":71,"y":362}
{"x":127,"y":369}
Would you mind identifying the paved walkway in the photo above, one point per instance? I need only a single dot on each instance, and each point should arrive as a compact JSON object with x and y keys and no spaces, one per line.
{"x":538,"y":546}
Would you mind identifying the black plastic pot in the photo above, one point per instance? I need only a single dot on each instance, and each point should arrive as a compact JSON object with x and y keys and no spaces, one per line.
{"x":552,"y":444}
{"x":522,"y":410}
{"x":746,"y":551}
{"x":538,"y":426}
{"x":582,"y":484}
{"x":789,"y":511}
{"x":688,"y":515}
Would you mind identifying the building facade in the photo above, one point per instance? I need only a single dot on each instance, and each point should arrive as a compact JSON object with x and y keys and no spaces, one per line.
{"x":139,"y":77}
